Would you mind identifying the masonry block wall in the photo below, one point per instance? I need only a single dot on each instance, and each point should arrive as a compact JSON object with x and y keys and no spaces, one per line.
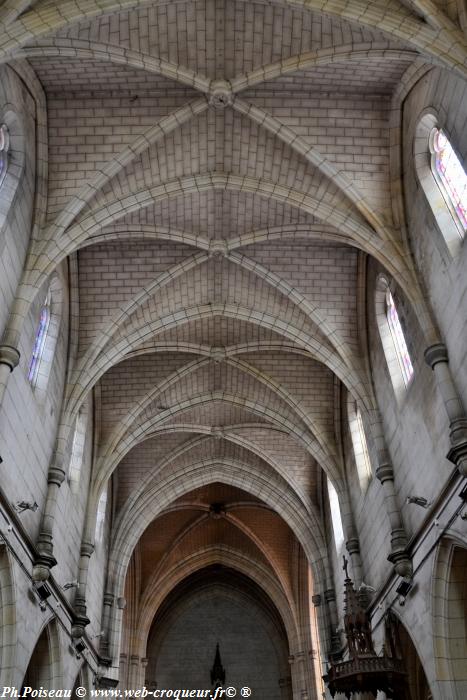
{"x":211,"y":192}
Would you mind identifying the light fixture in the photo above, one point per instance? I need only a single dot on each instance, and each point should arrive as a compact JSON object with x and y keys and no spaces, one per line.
{"x":419,"y":501}
{"x":42,"y":590}
{"x":70,"y":584}
{"x":403,"y":590}
{"x":21,"y":506}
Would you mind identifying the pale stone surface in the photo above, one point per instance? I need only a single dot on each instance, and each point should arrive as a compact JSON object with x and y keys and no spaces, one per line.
{"x":216,"y":194}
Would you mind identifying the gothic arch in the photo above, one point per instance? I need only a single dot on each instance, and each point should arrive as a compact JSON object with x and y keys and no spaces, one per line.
{"x":44,"y":668}
{"x":449,"y":593}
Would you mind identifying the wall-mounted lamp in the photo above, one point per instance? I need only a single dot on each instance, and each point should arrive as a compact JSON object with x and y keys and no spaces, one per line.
{"x":21,"y":506}
{"x":70,"y":584}
{"x":43,"y":592}
{"x":403,"y":590}
{"x":419,"y":501}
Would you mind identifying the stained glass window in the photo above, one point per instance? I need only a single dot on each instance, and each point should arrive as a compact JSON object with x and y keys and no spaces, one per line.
{"x":39,"y":342}
{"x":398,"y":338}
{"x":4,"y":148}
{"x":451,"y":174}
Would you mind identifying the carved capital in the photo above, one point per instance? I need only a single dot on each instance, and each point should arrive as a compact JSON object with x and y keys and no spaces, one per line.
{"x":109,"y":599}
{"x":79,"y":624}
{"x":56,"y":475}
{"x":329,"y":595}
{"x":385,"y":472}
{"x":42,"y":566}
{"x":9,"y":356}
{"x":87,"y":549}
{"x":458,"y":455}
{"x":316,"y":600}
{"x":401,"y":562}
{"x":458,"y":437}
{"x":45,"y":559}
{"x":353,"y":546}
{"x":436,"y":353}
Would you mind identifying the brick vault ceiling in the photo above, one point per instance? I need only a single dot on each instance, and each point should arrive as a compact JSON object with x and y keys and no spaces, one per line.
{"x":218,"y":170}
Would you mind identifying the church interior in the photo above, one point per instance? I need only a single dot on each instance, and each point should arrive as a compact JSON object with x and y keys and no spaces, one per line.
{"x":233,"y":348}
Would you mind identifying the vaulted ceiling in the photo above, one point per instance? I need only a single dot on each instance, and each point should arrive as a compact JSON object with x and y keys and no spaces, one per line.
{"x":219,"y":170}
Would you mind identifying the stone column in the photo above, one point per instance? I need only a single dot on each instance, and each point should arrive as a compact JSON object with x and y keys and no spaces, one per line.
{"x":436,"y":356}
{"x":296,"y":683}
{"x":142,"y":673}
{"x":134,"y":671}
{"x":55,"y":478}
{"x":124,"y":671}
{"x":352,"y":544}
{"x":45,"y":559}
{"x":336,"y":646}
{"x":9,"y":359}
{"x":109,"y":599}
{"x":398,"y":556}
{"x":9,"y":353}
{"x":81,"y":620}
{"x":285,"y":685}
{"x":353,"y":548}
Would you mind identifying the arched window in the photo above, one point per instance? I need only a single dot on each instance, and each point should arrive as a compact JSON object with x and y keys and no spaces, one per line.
{"x":450,"y":176}
{"x":4,"y":148}
{"x":334,"y":507}
{"x":392,"y":336}
{"x":397,"y":334}
{"x":100,"y":517}
{"x":45,"y":317}
{"x":77,"y":451}
{"x":443,"y":180}
{"x":360,"y":445}
{"x":39,"y":342}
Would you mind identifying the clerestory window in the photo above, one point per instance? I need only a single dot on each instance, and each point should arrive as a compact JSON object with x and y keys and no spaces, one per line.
{"x":336,"y":519}
{"x":397,"y":334}
{"x":360,"y":445}
{"x":39,"y":341}
{"x":4,"y":149}
{"x":100,"y":517}
{"x":77,"y":451}
{"x":450,"y":177}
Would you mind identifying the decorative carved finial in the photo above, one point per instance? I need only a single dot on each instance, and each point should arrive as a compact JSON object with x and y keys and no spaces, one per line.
{"x":345,"y":567}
